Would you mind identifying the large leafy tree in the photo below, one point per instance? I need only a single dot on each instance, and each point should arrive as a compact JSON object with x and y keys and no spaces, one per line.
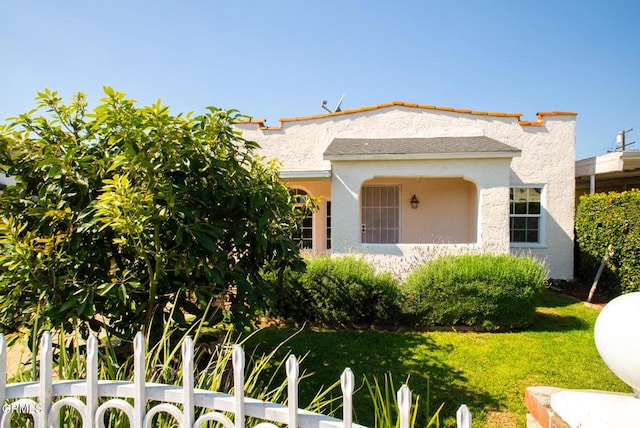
{"x":124,"y":216}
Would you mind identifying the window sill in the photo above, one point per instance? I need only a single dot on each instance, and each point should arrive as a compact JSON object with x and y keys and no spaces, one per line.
{"x":535,"y":245}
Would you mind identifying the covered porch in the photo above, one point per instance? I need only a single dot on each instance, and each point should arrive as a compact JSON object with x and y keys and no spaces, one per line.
{"x":418,"y":210}
{"x":402,"y":201}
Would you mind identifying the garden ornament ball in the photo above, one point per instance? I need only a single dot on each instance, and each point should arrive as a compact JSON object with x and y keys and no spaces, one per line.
{"x":617,"y":337}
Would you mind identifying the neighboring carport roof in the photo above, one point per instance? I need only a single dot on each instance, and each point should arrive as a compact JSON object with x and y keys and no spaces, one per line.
{"x":417,"y":148}
{"x":614,"y":171}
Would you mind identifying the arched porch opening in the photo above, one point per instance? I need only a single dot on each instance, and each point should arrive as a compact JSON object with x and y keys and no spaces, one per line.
{"x":418,"y":210}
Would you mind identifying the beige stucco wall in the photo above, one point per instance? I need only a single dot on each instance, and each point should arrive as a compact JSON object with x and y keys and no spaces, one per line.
{"x":547,"y":160}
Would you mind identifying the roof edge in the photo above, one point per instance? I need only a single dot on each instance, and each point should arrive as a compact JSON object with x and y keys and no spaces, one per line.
{"x":539,"y":122}
{"x":604,"y":163}
{"x":290,"y":174}
{"x":541,"y":115}
{"x":423,"y":156}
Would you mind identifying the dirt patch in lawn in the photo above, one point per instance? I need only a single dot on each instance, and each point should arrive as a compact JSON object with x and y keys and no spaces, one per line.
{"x":501,"y":420}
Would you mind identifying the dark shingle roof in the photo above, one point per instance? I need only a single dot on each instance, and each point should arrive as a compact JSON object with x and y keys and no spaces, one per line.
{"x":416,"y":146}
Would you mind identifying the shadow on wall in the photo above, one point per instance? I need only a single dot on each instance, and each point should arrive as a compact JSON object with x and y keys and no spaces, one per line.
{"x":556,"y":252}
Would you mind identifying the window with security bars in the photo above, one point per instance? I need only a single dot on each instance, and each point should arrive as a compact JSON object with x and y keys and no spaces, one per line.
{"x":304,"y":233}
{"x":525,"y":214}
{"x":380,"y":214}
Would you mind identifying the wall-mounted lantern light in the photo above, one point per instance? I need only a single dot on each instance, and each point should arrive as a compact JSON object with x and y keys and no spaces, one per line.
{"x":414,"y":202}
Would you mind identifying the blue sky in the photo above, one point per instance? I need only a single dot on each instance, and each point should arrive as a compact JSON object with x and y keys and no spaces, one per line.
{"x":282,"y":58}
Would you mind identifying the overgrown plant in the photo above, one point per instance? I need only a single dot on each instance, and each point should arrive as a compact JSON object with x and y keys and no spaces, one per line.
{"x":120,"y":212}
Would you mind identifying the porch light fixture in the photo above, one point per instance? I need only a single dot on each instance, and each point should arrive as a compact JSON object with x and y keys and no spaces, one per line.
{"x":414,"y":202}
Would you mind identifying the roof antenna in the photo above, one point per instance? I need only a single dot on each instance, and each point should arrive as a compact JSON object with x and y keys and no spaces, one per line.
{"x":337,"y":109}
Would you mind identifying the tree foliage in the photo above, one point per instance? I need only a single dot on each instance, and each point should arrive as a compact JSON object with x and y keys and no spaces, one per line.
{"x":123,"y":216}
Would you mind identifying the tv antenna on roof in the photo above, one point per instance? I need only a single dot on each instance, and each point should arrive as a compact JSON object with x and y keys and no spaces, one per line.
{"x":335,"y":110}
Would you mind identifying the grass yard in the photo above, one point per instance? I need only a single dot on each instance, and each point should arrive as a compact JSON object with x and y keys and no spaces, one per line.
{"x":487,"y":371}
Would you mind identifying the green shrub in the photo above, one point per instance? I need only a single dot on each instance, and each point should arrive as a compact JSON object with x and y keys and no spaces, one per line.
{"x":488,"y":291}
{"x":610,"y":219}
{"x":344,"y":290}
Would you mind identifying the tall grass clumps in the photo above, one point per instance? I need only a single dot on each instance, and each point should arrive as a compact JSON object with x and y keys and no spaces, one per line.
{"x":338,"y":291}
{"x":492,"y":292}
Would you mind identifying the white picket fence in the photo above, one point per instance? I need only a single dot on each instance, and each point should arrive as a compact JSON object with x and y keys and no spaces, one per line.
{"x":37,"y":398}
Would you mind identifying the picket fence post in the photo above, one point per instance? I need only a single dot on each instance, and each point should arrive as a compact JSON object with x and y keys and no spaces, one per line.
{"x":139,"y":380}
{"x":3,"y":369}
{"x":46,"y":374}
{"x":463,"y":417}
{"x":238,"y":385}
{"x":188,"y":383}
{"x":404,"y":405}
{"x":347,"y":384}
{"x":292,"y":388}
{"x":92,"y":376}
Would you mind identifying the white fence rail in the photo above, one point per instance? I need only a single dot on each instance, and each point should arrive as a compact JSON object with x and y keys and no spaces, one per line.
{"x":44,"y":399}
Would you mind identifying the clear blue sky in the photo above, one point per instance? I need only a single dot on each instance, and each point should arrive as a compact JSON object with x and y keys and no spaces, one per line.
{"x":282,"y":58}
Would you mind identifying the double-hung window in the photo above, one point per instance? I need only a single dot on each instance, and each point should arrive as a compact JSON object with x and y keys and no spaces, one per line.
{"x":525,"y":215}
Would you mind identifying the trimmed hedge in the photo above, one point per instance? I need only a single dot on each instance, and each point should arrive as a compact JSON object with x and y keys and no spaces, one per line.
{"x":604,"y":219}
{"x":338,"y":291}
{"x":493,"y":292}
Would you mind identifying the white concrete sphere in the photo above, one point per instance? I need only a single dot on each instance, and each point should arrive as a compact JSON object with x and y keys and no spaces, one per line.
{"x":617,"y":337}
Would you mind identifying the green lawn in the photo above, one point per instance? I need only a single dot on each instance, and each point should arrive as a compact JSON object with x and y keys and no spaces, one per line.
{"x":487,"y":371}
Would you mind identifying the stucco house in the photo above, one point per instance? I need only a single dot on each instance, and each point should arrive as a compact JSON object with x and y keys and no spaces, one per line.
{"x":400,"y":182}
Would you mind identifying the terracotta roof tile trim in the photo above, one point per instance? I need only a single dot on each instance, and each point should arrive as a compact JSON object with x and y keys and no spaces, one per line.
{"x":539,"y":122}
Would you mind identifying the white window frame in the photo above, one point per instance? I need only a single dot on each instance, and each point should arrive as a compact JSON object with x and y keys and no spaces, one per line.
{"x":398,"y":206}
{"x":541,"y":217}
{"x":328,"y":225}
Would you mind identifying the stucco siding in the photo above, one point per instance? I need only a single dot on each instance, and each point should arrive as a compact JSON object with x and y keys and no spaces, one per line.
{"x":548,"y":159}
